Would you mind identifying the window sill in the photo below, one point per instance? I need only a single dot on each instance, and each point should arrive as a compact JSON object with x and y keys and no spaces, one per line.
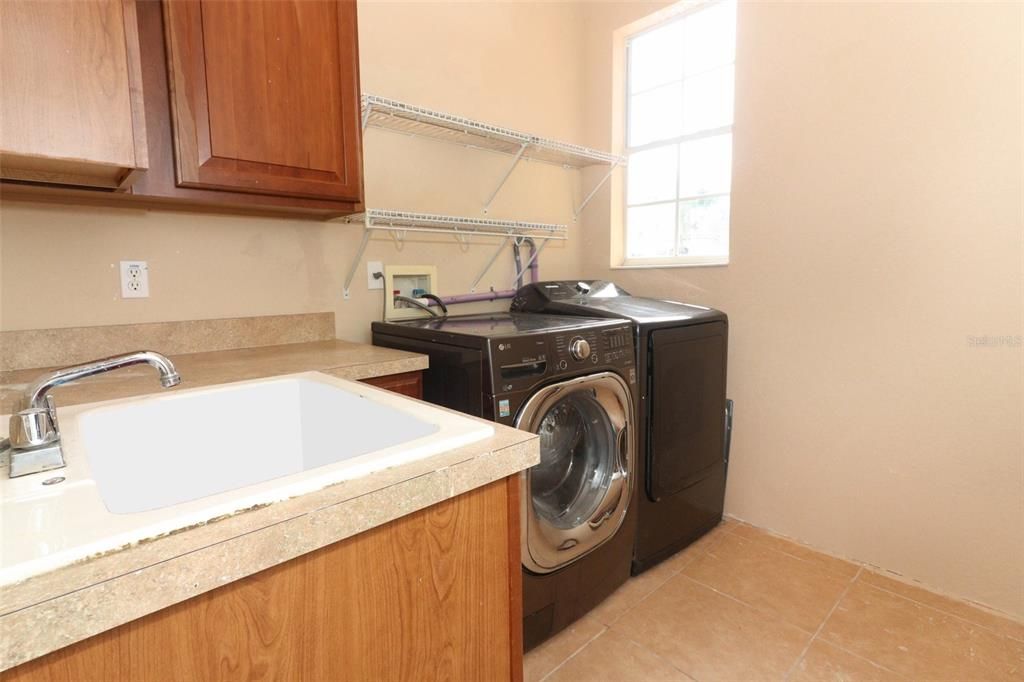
{"x":648,"y":265}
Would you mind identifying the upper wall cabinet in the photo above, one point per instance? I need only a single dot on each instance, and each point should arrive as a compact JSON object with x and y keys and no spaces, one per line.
{"x":71,"y":99}
{"x":264,"y":97}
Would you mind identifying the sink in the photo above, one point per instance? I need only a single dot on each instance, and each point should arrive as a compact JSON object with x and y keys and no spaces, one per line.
{"x":157,"y":452}
{"x":143,"y":467}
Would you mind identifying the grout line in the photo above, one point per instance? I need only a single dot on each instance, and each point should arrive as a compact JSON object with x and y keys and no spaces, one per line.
{"x":945,"y":612}
{"x":656,"y":655}
{"x":817,"y":567}
{"x":604,"y":629}
{"x":864,"y":658}
{"x":863,"y":566}
{"x":749,"y":606}
{"x":696,"y":552}
{"x":821,"y":627}
{"x":794,"y":541}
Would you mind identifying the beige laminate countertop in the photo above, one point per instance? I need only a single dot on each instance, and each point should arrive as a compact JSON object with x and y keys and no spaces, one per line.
{"x":52,"y":610}
{"x":338,"y":358}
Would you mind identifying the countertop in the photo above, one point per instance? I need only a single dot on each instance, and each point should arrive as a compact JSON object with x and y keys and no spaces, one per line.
{"x":342,"y":359}
{"x":50,"y":611}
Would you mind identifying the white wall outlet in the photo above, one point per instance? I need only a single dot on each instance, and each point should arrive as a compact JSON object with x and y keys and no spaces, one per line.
{"x":372,"y":267}
{"x":134,"y":279}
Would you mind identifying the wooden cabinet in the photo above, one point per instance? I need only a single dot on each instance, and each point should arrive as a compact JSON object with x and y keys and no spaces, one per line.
{"x":406,"y":383}
{"x":434,"y":595}
{"x":71,"y":99}
{"x":247,"y":105}
{"x":265,"y":96}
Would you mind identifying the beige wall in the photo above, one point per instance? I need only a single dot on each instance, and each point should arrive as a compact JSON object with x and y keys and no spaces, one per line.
{"x":56,"y":261}
{"x":877,"y":225}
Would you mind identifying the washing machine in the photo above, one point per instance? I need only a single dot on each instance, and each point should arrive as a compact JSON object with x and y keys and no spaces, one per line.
{"x":684,"y":419}
{"x":573,"y":381}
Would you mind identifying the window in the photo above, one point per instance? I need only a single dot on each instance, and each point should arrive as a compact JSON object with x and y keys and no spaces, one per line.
{"x":679,"y":115}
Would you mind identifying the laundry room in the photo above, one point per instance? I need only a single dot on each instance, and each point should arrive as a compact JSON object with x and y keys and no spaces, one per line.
{"x":572,"y":340}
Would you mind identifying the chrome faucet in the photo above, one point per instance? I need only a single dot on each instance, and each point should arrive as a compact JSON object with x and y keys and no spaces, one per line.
{"x":34,"y":441}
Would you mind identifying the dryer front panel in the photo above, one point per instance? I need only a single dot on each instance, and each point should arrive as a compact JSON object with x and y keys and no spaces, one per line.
{"x":576,"y":497}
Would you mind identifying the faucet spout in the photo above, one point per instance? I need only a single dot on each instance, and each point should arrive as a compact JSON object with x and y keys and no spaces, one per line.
{"x":35,"y":395}
{"x":34,"y":442}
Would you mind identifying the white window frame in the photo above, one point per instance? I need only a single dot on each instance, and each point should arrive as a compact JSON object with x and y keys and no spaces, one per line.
{"x":675,"y":13}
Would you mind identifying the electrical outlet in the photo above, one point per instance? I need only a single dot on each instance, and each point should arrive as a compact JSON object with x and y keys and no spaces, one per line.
{"x":134,"y":279}
{"x":372,"y":267}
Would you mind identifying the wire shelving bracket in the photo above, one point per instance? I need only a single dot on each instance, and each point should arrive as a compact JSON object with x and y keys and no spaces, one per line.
{"x":400,"y":223}
{"x":390,"y":114}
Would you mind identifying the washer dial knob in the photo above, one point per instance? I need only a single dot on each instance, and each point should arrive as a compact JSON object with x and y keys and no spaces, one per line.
{"x":579,"y":349}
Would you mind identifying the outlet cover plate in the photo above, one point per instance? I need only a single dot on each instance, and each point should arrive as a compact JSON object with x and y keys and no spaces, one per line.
{"x":134,"y":279}
{"x":372,"y":267}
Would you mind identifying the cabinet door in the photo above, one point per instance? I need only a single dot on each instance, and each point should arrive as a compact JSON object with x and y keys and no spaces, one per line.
{"x":71,"y":104}
{"x":265,"y":96}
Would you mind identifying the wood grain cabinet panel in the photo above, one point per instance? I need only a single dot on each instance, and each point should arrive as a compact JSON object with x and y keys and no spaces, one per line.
{"x":406,"y":383}
{"x":265,"y":96}
{"x":435,"y":595}
{"x":71,"y":109}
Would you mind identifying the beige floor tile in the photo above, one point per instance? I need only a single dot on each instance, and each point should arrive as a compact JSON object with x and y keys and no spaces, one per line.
{"x":797,"y":591}
{"x":821,"y":560}
{"x":638,"y":587}
{"x":710,"y":636}
{"x":613,"y":657}
{"x":1000,"y":624}
{"x":918,"y":641}
{"x":826,"y":663}
{"x":543,"y":659}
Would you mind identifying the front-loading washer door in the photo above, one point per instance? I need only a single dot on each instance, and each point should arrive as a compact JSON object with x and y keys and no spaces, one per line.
{"x":576,"y":497}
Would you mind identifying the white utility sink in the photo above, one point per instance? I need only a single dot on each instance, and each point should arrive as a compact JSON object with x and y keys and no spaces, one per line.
{"x":139,"y":468}
{"x":165,"y":450}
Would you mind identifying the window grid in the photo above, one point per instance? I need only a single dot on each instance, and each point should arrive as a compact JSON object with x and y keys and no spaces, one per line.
{"x":675,"y":143}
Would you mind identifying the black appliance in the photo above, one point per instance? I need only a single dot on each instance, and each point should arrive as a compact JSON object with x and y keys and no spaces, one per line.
{"x":572,"y":381}
{"x":684,"y":419}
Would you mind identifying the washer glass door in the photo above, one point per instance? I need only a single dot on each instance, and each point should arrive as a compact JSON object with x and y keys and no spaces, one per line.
{"x":576,"y":497}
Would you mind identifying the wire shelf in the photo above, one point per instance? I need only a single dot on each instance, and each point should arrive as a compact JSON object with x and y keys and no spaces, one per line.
{"x":389,"y":114}
{"x":380,"y":219}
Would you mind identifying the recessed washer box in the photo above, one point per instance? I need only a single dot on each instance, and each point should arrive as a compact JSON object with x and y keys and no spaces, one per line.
{"x":406,"y":280}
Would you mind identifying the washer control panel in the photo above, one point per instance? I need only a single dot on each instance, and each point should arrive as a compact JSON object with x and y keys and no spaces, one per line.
{"x":588,"y":347}
{"x":519,"y":364}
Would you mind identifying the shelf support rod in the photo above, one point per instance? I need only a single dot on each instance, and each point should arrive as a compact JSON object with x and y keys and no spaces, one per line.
{"x":529,"y":263}
{"x":576,"y":212}
{"x":504,"y":178}
{"x":355,"y":261}
{"x":366,"y":115}
{"x":490,"y":262}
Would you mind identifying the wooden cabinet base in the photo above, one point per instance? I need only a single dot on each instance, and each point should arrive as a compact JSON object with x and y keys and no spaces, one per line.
{"x":431,"y":596}
{"x":406,"y":383}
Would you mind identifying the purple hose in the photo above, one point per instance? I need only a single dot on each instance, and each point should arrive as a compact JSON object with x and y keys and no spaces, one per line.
{"x":494,"y":295}
{"x":473,"y":298}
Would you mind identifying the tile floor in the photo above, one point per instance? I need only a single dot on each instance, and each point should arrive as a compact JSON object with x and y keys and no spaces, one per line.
{"x":742,"y":604}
